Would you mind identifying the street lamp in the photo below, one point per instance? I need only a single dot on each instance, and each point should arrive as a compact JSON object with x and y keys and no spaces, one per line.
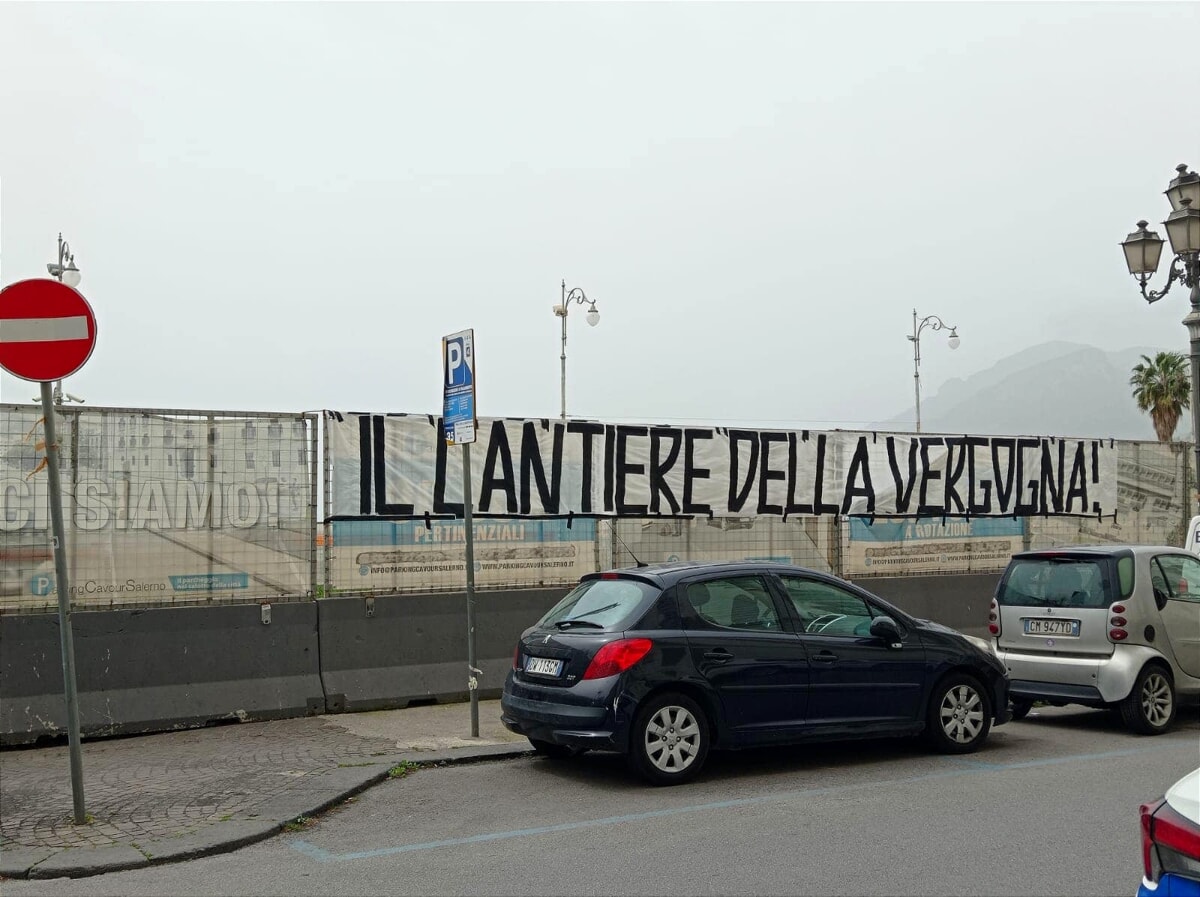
{"x":65,"y":272}
{"x":1142,"y":251}
{"x":593,"y":318}
{"x":64,"y":269}
{"x":935,"y":323}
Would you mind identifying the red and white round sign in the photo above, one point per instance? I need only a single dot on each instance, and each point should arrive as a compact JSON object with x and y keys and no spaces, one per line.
{"x":47,"y":330}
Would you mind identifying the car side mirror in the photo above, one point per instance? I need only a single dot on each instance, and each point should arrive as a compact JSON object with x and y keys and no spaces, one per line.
{"x":885,"y":628}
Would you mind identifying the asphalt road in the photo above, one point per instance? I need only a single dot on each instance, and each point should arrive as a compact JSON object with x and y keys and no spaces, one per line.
{"x":1049,"y":806}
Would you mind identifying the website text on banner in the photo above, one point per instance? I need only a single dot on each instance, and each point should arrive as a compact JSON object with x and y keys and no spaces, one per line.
{"x":395,"y":466}
{"x":384,"y":555}
{"x":955,"y":545}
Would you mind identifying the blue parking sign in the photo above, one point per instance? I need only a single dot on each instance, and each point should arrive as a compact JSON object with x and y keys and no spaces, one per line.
{"x":458,"y":387}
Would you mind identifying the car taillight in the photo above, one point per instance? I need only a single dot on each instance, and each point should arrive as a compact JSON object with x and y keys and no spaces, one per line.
{"x":1149,"y":858}
{"x":1116,"y":624}
{"x":1170,"y":842}
{"x":617,"y":657}
{"x":994,"y":618}
{"x":517,"y":657}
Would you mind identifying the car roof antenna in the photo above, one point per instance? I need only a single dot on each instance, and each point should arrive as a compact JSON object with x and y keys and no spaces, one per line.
{"x":623,"y":545}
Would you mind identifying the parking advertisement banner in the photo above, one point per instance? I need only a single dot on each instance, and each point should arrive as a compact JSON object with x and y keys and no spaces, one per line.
{"x":955,"y":545}
{"x":370,"y":555}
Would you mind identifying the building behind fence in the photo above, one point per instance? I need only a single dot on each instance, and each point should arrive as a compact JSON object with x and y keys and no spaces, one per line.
{"x":173,"y":507}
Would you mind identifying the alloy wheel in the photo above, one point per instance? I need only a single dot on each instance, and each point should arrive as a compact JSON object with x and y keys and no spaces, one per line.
{"x":961,"y":714}
{"x":1157,"y":699}
{"x":672,"y":738}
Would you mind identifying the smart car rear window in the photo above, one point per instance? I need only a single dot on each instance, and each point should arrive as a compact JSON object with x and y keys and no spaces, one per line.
{"x":1057,"y":582}
{"x":600,"y":604}
{"x":1125,"y":574}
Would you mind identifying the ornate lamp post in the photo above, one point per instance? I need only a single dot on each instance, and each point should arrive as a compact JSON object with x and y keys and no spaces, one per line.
{"x":64,"y":271}
{"x":934,"y":323}
{"x":1142,"y":251}
{"x":593,"y":318}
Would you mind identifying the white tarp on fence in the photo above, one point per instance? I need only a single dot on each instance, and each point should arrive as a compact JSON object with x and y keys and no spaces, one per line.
{"x":398,"y":466}
{"x":158,"y":506}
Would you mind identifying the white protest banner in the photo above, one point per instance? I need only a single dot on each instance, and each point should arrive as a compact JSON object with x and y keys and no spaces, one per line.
{"x":394,"y":466}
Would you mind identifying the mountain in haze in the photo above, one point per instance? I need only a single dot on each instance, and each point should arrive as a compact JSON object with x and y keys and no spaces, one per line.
{"x":1051,"y":389}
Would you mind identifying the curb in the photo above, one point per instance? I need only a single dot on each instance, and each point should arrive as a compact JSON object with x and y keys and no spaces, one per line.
{"x":224,"y":837}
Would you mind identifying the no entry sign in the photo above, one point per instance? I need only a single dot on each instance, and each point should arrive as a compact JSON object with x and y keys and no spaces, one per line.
{"x":47,"y":330}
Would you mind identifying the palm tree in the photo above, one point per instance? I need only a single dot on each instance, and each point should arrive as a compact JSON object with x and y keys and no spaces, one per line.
{"x":1163,"y":387}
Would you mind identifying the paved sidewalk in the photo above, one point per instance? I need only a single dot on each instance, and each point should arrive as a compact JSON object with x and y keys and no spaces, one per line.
{"x":177,"y":795}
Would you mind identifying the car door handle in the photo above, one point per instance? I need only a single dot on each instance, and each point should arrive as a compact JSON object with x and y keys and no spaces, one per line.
{"x":825,"y":657}
{"x":720,"y":655}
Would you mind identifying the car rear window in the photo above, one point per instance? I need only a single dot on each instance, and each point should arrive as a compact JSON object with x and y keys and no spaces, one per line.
{"x":737,"y":602}
{"x":1057,"y":582}
{"x":607,"y":603}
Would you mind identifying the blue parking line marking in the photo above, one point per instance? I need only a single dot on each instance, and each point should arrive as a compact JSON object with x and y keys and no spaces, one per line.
{"x":967,"y":767}
{"x":313,"y":852}
{"x":976,"y":764}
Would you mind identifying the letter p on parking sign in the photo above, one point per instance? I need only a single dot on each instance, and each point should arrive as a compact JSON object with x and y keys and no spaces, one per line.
{"x":458,"y":387}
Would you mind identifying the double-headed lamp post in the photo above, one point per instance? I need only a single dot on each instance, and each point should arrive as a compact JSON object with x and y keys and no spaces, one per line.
{"x":1142,"y":250}
{"x":934,"y":323}
{"x":593,"y":318}
{"x":64,"y":271}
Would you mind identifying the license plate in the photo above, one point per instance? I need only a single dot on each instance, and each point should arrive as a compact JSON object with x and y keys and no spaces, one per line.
{"x":1043,"y":626}
{"x":543,"y":666}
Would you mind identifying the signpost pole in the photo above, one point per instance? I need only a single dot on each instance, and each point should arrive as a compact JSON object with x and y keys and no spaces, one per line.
{"x":48,"y":333}
{"x":458,"y":423}
{"x":470,"y":559}
{"x":62,"y":584}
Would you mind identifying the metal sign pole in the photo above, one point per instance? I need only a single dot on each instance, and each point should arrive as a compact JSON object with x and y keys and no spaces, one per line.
{"x":473,"y":681}
{"x":62,"y":584}
{"x":50,"y":332}
{"x":459,"y":424}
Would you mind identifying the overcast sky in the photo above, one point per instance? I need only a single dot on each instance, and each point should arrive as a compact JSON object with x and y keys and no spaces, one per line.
{"x":285,"y":206}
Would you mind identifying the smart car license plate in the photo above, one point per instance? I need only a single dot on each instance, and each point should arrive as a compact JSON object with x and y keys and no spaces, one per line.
{"x":1046,"y":626}
{"x":544,"y":666}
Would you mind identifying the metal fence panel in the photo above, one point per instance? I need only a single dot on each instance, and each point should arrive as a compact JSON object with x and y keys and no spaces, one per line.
{"x":804,"y":540}
{"x":388,"y":557}
{"x":174,"y":507}
{"x":1155,"y":487}
{"x":929,"y":545}
{"x":1154,"y":501}
{"x":162,"y":507}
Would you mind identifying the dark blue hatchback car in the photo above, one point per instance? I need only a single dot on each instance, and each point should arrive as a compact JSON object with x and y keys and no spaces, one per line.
{"x":663,"y":663}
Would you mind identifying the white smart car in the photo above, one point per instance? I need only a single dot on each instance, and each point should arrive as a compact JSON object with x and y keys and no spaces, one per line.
{"x":1104,"y":626}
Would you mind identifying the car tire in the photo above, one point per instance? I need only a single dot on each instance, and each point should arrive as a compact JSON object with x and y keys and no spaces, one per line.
{"x":553,"y":751}
{"x":1021,"y":708}
{"x":1149,"y":709}
{"x":959,"y":715}
{"x":669,"y":741}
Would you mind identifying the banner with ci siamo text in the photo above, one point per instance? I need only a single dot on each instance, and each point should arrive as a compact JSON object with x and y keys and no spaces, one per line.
{"x":399,"y":466}
{"x":160,"y":507}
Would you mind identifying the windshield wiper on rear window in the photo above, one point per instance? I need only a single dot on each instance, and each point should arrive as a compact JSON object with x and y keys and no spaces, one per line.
{"x":580,"y":619}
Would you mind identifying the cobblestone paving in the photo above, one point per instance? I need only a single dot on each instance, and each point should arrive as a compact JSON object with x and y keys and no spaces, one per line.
{"x":182,"y":782}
